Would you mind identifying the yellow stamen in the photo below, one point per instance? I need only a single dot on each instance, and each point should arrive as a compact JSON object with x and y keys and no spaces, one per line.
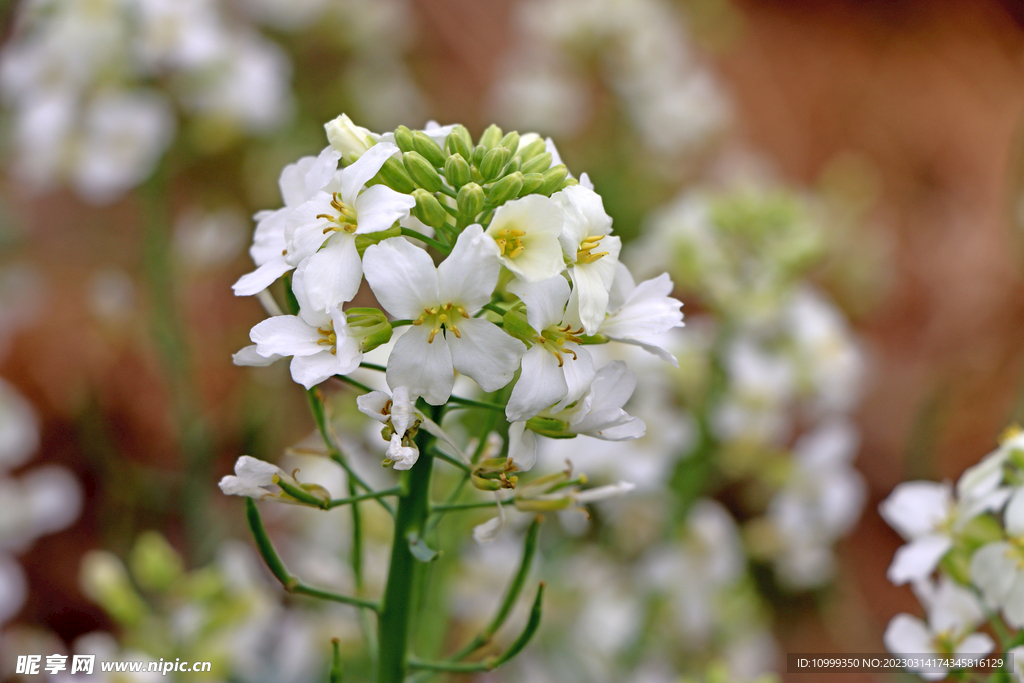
{"x":433,"y":332}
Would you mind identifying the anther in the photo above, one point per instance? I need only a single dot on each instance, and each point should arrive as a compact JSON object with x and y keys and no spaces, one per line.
{"x":430,"y":339}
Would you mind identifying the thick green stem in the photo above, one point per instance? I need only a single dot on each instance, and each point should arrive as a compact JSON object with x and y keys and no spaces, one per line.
{"x":396,"y":606}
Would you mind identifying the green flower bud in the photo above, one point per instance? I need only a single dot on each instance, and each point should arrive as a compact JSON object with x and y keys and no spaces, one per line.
{"x":494,"y":161}
{"x":154,"y":563}
{"x":459,"y":141}
{"x":403,"y":138}
{"x":422,"y":173}
{"x":470,"y":200}
{"x":553,"y":178}
{"x":370,"y":325}
{"x":486,"y":484}
{"x":538,"y":164}
{"x":491,"y":137}
{"x":378,"y":338}
{"x":514,"y":322}
{"x":364,"y":241}
{"x":428,"y":209}
{"x":430,"y":150}
{"x":510,"y":142}
{"x":531,"y":183}
{"x":394,"y":175}
{"x":456,"y":170}
{"x":531,"y":150}
{"x":550,"y":427}
{"x":513,"y":166}
{"x":505,"y":189}
{"x":478,"y":155}
{"x":568,"y":182}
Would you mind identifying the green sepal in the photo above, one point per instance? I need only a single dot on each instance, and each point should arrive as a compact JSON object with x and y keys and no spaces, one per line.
{"x":428,"y":209}
{"x":364,"y":241}
{"x":550,"y":427}
{"x":594,"y":339}
{"x":514,"y":322}
{"x":485,"y":484}
{"x":309,"y":494}
{"x":375,"y":339}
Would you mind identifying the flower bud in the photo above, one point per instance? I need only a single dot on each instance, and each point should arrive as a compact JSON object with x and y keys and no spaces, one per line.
{"x":370,"y":326}
{"x":478,"y":155}
{"x":422,"y":173}
{"x":485,"y":484}
{"x":532,"y":182}
{"x":348,"y":139}
{"x":428,"y":209}
{"x":493,"y":162}
{"x":543,"y":504}
{"x":430,"y":150}
{"x":553,"y":178}
{"x":550,"y":427}
{"x":403,"y":139}
{"x":505,"y":189}
{"x":491,"y":137}
{"x":364,"y":241}
{"x":394,"y":175}
{"x":456,"y":170}
{"x":538,"y":164}
{"x":568,"y":182}
{"x":459,"y":142}
{"x":510,"y":142}
{"x":470,"y":200}
{"x":530,"y":149}
{"x":154,"y":563}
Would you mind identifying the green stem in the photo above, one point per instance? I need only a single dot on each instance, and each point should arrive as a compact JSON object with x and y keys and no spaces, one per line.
{"x":443,"y":248}
{"x":401,"y":323}
{"x":396,"y":609}
{"x":494,"y":308}
{"x":316,"y":405}
{"x":277,"y":568}
{"x":470,"y":403}
{"x":449,"y":507}
{"x":353,"y":382}
{"x":351,"y":500}
{"x":374,"y":366}
{"x":435,"y":453}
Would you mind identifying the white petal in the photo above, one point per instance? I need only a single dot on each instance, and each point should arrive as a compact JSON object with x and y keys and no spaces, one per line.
{"x":432,"y":427}
{"x":907,"y":635}
{"x":256,"y":472}
{"x":916,"y":508}
{"x":633,"y":428}
{"x":359,"y":173}
{"x":993,"y":570}
{"x":404,"y":456}
{"x":402,"y":277}
{"x":1013,"y":608}
{"x":584,"y":216}
{"x":304,"y":231}
{"x":321,"y":172}
{"x":917,"y":559}
{"x":1014,"y":515}
{"x":489,"y":530}
{"x":579,"y":374}
{"x":379,"y":207}
{"x":403,"y":410}
{"x":485,"y":353}
{"x":233,"y":486}
{"x":312,"y":370}
{"x":262,"y":277}
{"x":249,"y":356}
{"x":648,"y":310}
{"x":604,"y":492}
{"x":614,"y":384}
{"x":468,"y":275}
{"x":286,"y":335}
{"x":658,"y":351}
{"x":426,"y":369}
{"x":522,"y":446}
{"x":268,"y":240}
{"x":372,"y":404}
{"x":541,"y":219}
{"x":541,"y":385}
{"x":975,"y":644}
{"x":331,"y":276}
{"x":592,"y":281}
{"x":545,"y":300}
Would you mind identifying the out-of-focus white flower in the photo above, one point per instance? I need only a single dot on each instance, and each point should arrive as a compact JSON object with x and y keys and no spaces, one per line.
{"x":13,"y":588}
{"x":985,"y":477}
{"x":926,"y":515}
{"x":556,"y":369}
{"x":953,"y":615}
{"x":209,"y":239}
{"x":998,"y":568}
{"x":441,"y":301}
{"x":19,"y":428}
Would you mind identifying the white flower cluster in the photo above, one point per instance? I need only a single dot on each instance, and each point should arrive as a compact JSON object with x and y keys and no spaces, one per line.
{"x":642,"y":53}
{"x":39,"y":502}
{"x":528,"y":277}
{"x":788,"y":368}
{"x":970,"y":538}
{"x":93,"y":85}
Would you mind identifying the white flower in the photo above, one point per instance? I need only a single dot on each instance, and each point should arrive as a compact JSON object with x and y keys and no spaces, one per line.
{"x":592,"y":252}
{"x":321,"y":233}
{"x":444,"y":335}
{"x":319,"y":342}
{"x":599,"y":413}
{"x":19,"y":428}
{"x":398,"y":409}
{"x":263,"y":481}
{"x":925,"y":514}
{"x":348,"y":139}
{"x":556,"y":369}
{"x":299,"y":182}
{"x":998,"y":568}
{"x":987,"y":475}
{"x":526,"y":231}
{"x":953,"y":615}
{"x":637,"y":313}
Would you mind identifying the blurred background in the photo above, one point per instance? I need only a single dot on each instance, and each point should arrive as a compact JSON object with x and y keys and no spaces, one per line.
{"x":878,"y":141}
